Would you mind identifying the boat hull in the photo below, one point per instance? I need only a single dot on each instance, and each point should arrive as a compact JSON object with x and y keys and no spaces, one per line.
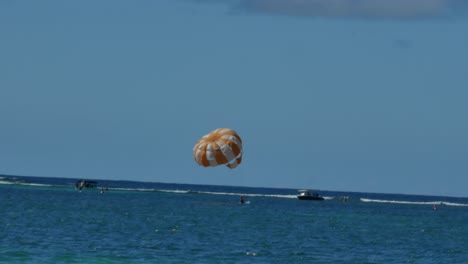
{"x":311,"y":198}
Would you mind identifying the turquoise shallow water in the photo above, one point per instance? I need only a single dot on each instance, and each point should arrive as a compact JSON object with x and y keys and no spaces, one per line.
{"x":45,"y":220}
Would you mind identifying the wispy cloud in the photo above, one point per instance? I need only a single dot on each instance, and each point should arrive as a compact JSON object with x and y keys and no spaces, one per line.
{"x":368,"y":9}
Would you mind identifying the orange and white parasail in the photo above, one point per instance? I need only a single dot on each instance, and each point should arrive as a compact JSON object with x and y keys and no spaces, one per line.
{"x":222,"y":146}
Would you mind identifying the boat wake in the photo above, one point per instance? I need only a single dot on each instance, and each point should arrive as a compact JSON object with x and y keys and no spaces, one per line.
{"x":6,"y":181}
{"x":18,"y":181}
{"x":411,"y":202}
{"x":246,"y":194}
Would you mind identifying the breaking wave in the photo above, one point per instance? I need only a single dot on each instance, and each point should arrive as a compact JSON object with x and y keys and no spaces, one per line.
{"x":186,"y":191}
{"x":412,"y":202}
{"x":7,"y":181}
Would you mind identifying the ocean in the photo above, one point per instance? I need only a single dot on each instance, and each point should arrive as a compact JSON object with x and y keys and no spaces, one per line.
{"x":47,"y":220}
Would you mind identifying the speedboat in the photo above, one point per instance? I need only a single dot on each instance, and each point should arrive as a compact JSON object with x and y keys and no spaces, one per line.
{"x":307,"y":195}
{"x":79,"y":185}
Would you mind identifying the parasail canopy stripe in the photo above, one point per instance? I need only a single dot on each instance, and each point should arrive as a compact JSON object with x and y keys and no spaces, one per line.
{"x":222,"y":146}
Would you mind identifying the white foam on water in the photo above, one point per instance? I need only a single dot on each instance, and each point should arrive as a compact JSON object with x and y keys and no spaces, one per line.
{"x":410,"y":202}
{"x":25,"y":184}
{"x":132,"y":189}
{"x":35,"y":184}
{"x":397,"y":202}
{"x":250,"y":194}
{"x":7,"y":182}
{"x":453,"y":204}
{"x":173,"y":191}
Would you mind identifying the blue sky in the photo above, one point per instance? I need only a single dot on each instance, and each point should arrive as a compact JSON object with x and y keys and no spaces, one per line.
{"x":334,"y":95}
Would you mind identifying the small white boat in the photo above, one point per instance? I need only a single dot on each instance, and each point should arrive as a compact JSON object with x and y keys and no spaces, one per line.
{"x":307,"y":195}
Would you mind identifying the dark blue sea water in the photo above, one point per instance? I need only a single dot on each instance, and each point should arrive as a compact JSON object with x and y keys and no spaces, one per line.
{"x":46,"y":220}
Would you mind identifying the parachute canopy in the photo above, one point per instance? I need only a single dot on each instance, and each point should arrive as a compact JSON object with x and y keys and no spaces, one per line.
{"x":219,"y":147}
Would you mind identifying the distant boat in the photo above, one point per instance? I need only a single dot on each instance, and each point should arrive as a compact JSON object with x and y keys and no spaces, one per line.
{"x":79,"y":185}
{"x":307,"y":195}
